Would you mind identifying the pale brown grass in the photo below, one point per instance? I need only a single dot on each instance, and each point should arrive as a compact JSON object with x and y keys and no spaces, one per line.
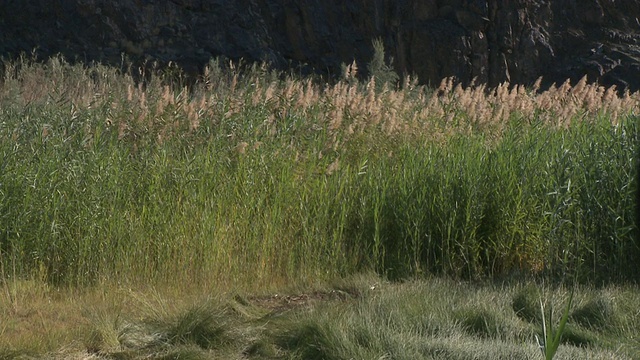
{"x":343,"y":109}
{"x":38,"y":317}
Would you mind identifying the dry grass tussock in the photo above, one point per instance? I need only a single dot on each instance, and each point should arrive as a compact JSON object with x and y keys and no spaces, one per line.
{"x":341,"y":109}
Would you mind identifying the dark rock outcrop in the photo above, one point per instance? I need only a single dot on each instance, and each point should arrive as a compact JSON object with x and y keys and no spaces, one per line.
{"x":490,"y":40}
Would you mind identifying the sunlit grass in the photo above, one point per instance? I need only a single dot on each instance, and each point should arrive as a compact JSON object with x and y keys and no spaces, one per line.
{"x":253,"y":181}
{"x":251,"y":178}
{"x":360,"y":317}
{"x":437,"y":319}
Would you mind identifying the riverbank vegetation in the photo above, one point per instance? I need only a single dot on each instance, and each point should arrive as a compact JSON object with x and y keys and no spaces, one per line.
{"x":253,"y":180}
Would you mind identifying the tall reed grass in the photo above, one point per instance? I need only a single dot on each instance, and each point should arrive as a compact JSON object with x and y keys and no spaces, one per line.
{"x":252,"y":177}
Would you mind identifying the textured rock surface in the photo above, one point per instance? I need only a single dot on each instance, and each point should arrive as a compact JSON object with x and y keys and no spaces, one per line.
{"x":491,"y":40}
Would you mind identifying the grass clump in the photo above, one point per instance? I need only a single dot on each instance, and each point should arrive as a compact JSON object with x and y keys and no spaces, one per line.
{"x":184,"y":353}
{"x":309,"y":341}
{"x":418,"y":319}
{"x":526,"y":304}
{"x":479,"y":322}
{"x":577,"y":336}
{"x":198,"y":326}
{"x":164,"y":331}
{"x":430,"y":320}
{"x":599,"y":313}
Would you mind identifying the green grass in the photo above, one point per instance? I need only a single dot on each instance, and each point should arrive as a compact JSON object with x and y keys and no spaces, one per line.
{"x":253,"y":181}
{"x":162,"y":329}
{"x":427,"y":319}
{"x":360,"y":317}
{"x":438,"y":319}
{"x":102,"y":180}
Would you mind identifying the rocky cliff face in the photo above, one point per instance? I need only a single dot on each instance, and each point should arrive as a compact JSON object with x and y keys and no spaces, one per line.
{"x":490,"y":40}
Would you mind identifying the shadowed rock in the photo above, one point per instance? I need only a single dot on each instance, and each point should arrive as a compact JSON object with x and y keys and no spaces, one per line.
{"x":491,"y":40}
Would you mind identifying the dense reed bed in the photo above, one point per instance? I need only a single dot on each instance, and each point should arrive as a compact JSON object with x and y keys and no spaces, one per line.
{"x":255,"y":177}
